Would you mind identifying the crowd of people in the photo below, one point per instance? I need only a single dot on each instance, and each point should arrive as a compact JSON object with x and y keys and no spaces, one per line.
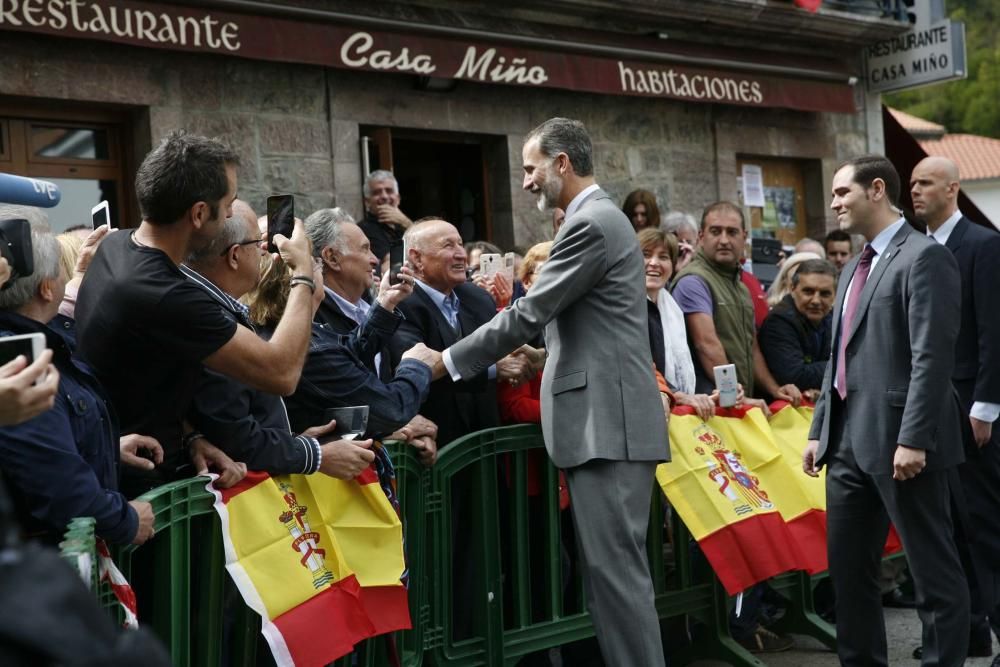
{"x":183,"y":346}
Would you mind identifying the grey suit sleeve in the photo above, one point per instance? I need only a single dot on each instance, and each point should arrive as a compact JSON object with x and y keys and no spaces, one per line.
{"x":934,"y":316}
{"x":576,"y":263}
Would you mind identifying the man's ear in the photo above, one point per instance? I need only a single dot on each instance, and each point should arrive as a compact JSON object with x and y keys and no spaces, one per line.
{"x":199,"y":213}
{"x":330,"y":258}
{"x":878,"y":188}
{"x":46,"y":290}
{"x":232,"y":257}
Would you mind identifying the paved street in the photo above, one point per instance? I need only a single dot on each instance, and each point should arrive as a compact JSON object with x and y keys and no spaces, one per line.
{"x":903,"y":629}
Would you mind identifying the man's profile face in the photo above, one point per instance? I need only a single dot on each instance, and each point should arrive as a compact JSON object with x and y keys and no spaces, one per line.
{"x":248,"y":254}
{"x":838,"y":252}
{"x":383,"y":193}
{"x":357,"y":263}
{"x":850,"y":202}
{"x":722,"y":237}
{"x":813,"y":296}
{"x":930,"y":190}
{"x":540,"y":176}
{"x":440,"y":257}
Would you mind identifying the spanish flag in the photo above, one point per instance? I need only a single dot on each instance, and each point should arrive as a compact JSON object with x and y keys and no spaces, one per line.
{"x":320,"y":559}
{"x":735,"y":486}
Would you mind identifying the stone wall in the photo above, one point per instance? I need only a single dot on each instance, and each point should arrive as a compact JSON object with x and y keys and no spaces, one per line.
{"x":297,"y":127}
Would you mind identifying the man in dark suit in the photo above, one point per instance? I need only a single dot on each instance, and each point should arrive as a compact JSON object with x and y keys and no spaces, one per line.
{"x":934,"y":187}
{"x":886,"y":424}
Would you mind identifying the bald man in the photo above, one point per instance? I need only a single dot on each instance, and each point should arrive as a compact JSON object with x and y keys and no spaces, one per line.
{"x":934,"y":187}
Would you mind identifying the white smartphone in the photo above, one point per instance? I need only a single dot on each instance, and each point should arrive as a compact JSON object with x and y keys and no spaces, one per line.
{"x":101,"y":214}
{"x":30,"y":345}
{"x":725,"y":382}
{"x":490,"y":264}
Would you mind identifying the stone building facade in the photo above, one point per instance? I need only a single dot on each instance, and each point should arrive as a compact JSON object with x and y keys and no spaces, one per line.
{"x":299,"y":127}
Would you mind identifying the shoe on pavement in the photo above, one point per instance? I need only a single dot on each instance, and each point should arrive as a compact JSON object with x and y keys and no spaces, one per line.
{"x":983,"y":651}
{"x":765,"y":641}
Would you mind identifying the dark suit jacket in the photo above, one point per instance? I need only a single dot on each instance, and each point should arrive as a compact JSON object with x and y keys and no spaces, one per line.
{"x":977,"y":355}
{"x":332,"y":318}
{"x":900,"y":357}
{"x":458,"y":408}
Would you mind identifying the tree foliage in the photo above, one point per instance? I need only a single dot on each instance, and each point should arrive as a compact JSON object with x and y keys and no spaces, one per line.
{"x":970,"y":105}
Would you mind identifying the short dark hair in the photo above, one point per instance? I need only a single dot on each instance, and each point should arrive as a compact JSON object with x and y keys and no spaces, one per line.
{"x":653,"y":237}
{"x":564,"y":135}
{"x":723,"y":206}
{"x":869,"y":167}
{"x":182,"y":171}
{"x":814,"y":266}
{"x":837,"y":236}
{"x":647,"y":199}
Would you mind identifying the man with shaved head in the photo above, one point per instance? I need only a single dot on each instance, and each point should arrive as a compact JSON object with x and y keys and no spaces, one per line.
{"x":934,"y":187}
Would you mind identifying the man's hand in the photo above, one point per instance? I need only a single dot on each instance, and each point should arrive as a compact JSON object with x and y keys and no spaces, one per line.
{"x":790,"y":393}
{"x":129,"y":446}
{"x":811,"y":395}
{"x":514,"y":369}
{"x":88,"y":249}
{"x":205,"y":454}
{"x":388,"y":214}
{"x":419,"y":427}
{"x":758,"y":403}
{"x":20,"y":398}
{"x":392,"y":294}
{"x":317,"y":431}
{"x":981,"y":431}
{"x":426,"y":449}
{"x":703,"y":404}
{"x":809,"y":466}
{"x":295,"y":251}
{"x":4,"y":271}
{"x":147,"y":521}
{"x":428,"y":357}
{"x":908,"y":462}
{"x":685,"y":253}
{"x":535,"y":356}
{"x":346,"y":459}
{"x":740,"y":397}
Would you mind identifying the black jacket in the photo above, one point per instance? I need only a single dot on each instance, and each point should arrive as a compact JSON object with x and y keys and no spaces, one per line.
{"x":796,"y":351}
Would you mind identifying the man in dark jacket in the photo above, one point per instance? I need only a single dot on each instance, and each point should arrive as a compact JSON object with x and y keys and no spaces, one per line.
{"x":795,"y":337}
{"x":63,"y":463}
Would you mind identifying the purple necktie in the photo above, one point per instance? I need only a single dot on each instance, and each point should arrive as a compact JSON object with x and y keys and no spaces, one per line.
{"x":857,"y":286}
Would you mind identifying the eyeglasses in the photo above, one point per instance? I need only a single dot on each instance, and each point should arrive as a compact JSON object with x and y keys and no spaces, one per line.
{"x":241,"y":243}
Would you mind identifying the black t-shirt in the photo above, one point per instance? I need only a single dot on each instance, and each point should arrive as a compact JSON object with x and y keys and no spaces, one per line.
{"x":380,"y":235}
{"x":145,"y":329}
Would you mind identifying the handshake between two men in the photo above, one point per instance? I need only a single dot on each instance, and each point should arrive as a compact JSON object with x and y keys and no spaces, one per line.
{"x":518,"y":367}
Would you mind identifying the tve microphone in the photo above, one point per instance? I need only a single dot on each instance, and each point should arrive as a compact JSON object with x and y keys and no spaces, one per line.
{"x":28,"y":191}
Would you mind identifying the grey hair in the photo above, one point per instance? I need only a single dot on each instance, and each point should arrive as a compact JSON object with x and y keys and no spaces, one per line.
{"x":46,"y":251}
{"x":564,"y":135}
{"x":379,"y":175}
{"x":38,"y":219}
{"x":675,"y":221}
{"x":230,"y":234}
{"x":324,"y":228}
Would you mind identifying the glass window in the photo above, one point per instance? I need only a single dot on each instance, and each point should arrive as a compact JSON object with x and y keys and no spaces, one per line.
{"x":77,"y":143}
{"x":79,"y":195}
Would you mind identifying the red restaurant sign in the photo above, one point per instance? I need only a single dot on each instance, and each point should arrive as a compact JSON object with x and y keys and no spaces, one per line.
{"x":290,"y":40}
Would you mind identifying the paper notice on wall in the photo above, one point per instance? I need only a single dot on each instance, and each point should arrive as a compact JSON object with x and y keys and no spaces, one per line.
{"x":753,"y":185}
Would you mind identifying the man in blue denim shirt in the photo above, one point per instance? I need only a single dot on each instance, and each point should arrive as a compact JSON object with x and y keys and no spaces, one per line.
{"x":64,"y":462}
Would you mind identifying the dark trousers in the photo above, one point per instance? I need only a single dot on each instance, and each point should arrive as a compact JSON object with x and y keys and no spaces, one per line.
{"x":859,"y":509}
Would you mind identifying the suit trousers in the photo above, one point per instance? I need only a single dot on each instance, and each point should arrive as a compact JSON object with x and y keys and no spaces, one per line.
{"x":859,"y":509}
{"x":610,"y":504}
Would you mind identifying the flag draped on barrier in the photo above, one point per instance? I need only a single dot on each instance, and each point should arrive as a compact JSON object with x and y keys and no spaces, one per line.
{"x":737,"y":483}
{"x":320,"y":559}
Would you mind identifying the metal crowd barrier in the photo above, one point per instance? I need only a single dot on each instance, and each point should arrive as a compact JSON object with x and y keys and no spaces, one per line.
{"x":524,"y":596}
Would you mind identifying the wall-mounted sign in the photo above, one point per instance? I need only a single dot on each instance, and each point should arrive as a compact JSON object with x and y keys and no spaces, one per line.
{"x":186,"y":28}
{"x":931,"y":52}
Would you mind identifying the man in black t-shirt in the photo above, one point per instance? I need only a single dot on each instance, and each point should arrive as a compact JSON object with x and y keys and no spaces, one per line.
{"x":383,"y":222}
{"x":147,"y":330}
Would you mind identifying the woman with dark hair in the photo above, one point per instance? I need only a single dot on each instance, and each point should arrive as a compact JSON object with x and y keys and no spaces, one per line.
{"x":640,"y":207}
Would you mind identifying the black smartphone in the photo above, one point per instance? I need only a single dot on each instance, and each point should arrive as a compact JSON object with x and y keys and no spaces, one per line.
{"x":15,"y":247}
{"x":352,"y":422}
{"x":397,"y":257}
{"x":280,"y":218}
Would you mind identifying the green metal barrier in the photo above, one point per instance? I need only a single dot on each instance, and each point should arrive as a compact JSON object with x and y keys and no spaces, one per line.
{"x":527,"y":596}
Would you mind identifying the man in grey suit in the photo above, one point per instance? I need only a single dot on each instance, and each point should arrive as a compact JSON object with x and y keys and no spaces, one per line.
{"x":602,"y":417}
{"x":887,"y":422}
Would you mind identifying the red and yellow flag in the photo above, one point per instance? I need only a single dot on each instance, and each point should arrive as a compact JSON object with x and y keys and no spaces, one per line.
{"x":320,"y":559}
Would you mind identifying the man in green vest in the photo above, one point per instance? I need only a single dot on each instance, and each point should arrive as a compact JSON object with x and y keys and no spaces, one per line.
{"x":719,"y":316}
{"x":718,"y":311}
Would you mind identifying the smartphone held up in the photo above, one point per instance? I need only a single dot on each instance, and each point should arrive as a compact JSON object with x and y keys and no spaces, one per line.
{"x":280,"y":218}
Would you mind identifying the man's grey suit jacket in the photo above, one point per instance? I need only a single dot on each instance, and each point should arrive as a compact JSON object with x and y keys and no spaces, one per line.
{"x":599,"y":398}
{"x":900,"y":355}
